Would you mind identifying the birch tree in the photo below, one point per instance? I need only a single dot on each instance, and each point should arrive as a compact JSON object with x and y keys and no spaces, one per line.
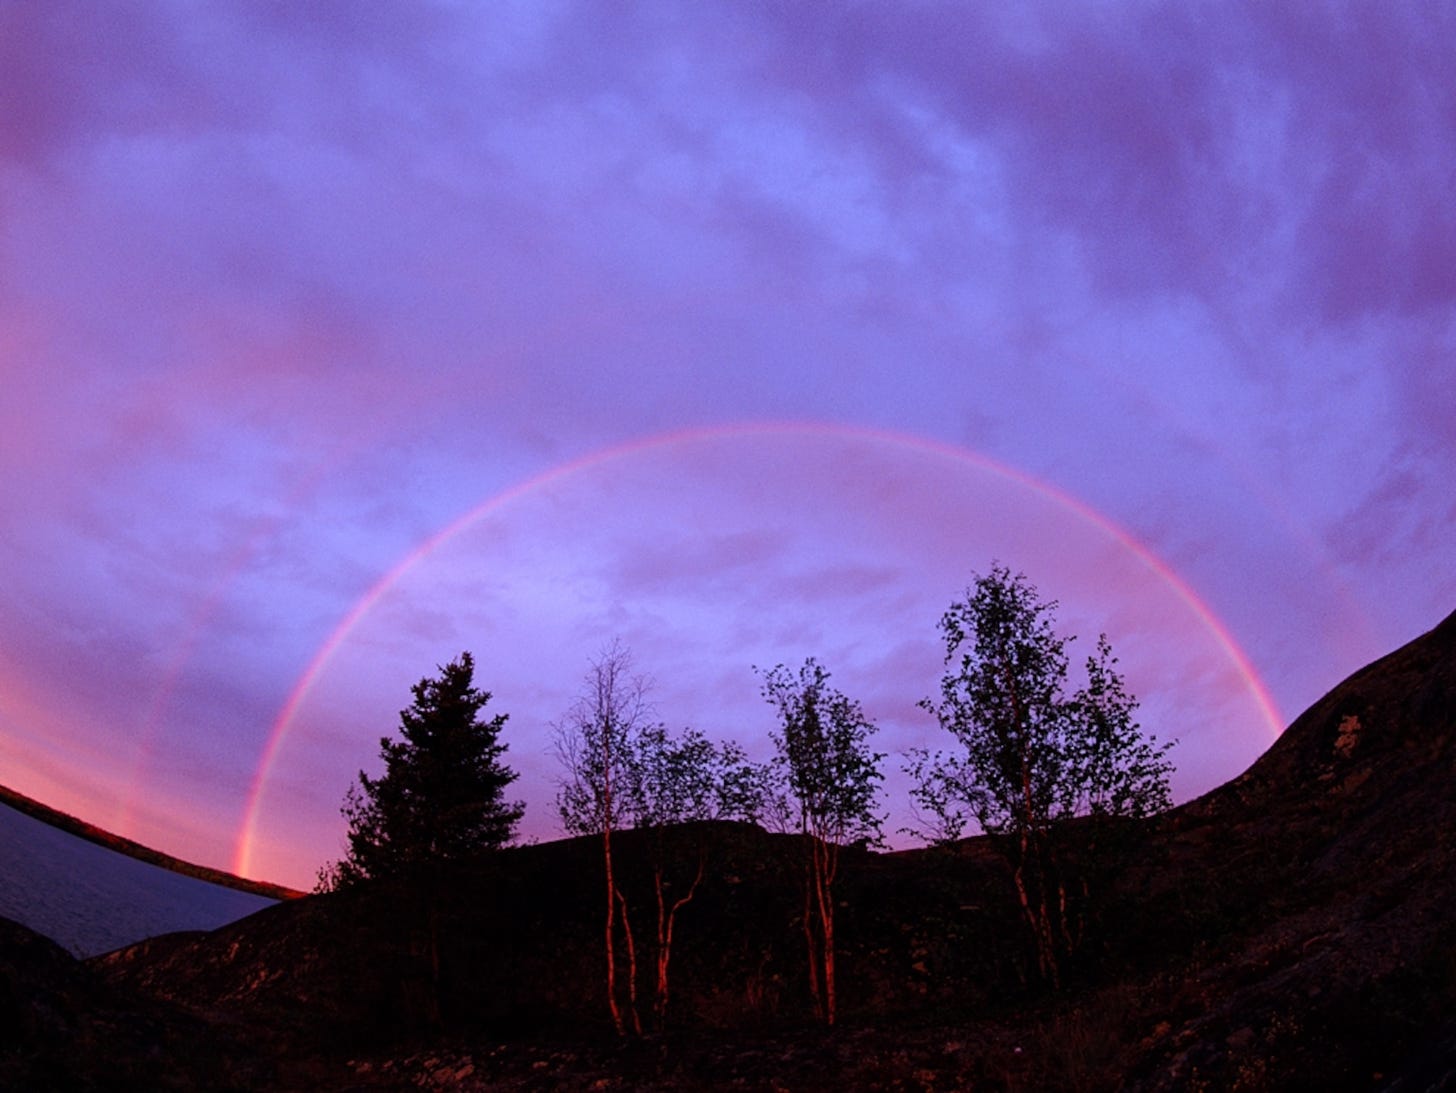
{"x":1032,"y":755}
{"x":831,"y":778}
{"x":625,"y":770}
{"x":594,"y":745}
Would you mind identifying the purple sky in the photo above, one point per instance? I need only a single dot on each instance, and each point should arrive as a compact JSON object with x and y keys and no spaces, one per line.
{"x":740,"y":332}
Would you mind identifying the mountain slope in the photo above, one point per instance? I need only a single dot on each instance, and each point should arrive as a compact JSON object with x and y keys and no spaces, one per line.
{"x":62,"y":1027}
{"x":1323,"y":886}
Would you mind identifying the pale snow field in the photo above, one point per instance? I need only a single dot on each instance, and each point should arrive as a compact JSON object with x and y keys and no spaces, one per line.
{"x":92,"y":900}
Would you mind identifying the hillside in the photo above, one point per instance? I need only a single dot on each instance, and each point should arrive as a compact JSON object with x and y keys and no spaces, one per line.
{"x":1303,"y":912}
{"x":1289,"y":930}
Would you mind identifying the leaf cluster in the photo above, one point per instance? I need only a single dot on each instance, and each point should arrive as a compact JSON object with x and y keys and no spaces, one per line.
{"x":828,"y":777}
{"x":1031,"y":753}
{"x":624,"y":769}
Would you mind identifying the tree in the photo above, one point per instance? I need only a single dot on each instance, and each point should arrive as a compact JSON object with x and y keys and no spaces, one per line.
{"x":831,"y":777}
{"x":593,"y":744}
{"x":625,"y":770}
{"x":1032,"y":756}
{"x":676,"y":783}
{"x":440,"y":799}
{"x":441,"y":796}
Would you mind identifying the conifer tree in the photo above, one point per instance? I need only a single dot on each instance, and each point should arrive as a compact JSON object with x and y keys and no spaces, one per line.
{"x":442,"y":794}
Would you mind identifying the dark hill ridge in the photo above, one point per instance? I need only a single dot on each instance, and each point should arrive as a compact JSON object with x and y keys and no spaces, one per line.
{"x":1383,"y":722}
{"x":1318,"y":892}
{"x":1294,"y":929}
{"x":63,"y":1027}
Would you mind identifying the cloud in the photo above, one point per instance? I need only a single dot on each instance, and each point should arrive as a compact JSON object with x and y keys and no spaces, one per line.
{"x":285,"y":291}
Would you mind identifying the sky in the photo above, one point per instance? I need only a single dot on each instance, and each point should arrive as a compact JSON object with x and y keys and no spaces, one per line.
{"x":337,"y":339}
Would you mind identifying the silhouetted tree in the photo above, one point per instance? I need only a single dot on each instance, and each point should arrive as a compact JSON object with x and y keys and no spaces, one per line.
{"x":441,"y":798}
{"x":1032,"y":756}
{"x":830,"y":777}
{"x":442,"y":793}
{"x":677,"y":783}
{"x":624,"y":770}
{"x":594,"y":745}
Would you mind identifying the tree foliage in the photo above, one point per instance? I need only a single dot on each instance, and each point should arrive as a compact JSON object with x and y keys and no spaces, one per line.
{"x":831,"y":782}
{"x":675,"y":783}
{"x":1032,"y":755}
{"x":623,"y":769}
{"x":442,"y":793}
{"x":595,"y":741}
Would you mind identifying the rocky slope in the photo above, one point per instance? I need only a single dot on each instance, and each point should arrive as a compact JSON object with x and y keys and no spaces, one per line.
{"x":63,"y":1027}
{"x":1319,"y":891}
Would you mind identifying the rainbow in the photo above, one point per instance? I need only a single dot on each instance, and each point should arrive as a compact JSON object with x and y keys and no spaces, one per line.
{"x":243,"y":853}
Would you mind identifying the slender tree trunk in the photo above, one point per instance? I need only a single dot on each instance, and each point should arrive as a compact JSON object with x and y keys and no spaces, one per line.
{"x":1018,"y":880}
{"x":666,"y":917}
{"x":1044,"y":921}
{"x":607,"y":759}
{"x":631,"y":943}
{"x":1072,"y":922}
{"x":811,"y":937}
{"x":1037,"y":917}
{"x":826,"y":866}
{"x":664,"y":947}
{"x":611,"y":931}
{"x":821,"y":865}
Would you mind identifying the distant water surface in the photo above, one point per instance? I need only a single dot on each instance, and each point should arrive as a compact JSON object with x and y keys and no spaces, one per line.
{"x":92,"y":900}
